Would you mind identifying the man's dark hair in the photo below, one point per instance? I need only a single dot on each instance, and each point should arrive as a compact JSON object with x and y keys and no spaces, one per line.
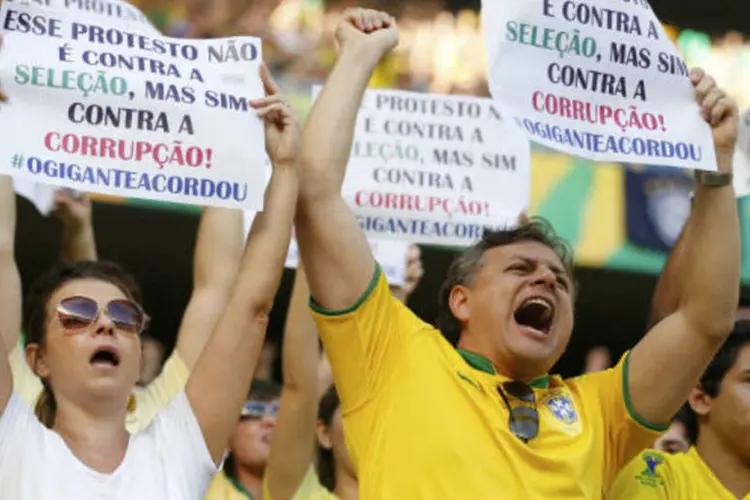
{"x":35,"y":316}
{"x":465,"y":267}
{"x":712,"y":378}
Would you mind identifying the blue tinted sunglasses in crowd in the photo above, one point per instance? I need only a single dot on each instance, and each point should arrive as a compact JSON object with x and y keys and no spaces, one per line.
{"x":260,"y":409}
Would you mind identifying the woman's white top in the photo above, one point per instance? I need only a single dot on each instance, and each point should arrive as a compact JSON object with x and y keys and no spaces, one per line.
{"x":168,"y":461}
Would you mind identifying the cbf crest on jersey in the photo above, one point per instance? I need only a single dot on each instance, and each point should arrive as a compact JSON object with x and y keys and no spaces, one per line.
{"x":561,"y":407}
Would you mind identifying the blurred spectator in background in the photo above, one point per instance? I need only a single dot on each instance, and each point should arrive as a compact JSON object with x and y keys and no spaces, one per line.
{"x":250,"y":445}
{"x":153,"y":359}
{"x":597,"y":359}
{"x":675,"y":440}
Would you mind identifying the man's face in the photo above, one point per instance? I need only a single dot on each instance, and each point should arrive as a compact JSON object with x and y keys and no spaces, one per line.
{"x":728,"y":414}
{"x":520,"y":305}
{"x":674,"y":440}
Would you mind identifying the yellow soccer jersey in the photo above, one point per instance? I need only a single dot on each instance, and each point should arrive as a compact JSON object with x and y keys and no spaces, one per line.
{"x":310,"y":489}
{"x":425,"y":421}
{"x":653,"y":475}
{"x":149,"y":400}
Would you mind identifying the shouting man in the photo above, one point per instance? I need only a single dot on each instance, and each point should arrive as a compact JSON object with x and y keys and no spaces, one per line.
{"x":470,"y":411}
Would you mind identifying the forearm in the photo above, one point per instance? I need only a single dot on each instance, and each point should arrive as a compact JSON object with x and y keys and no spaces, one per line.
{"x":334,"y":249}
{"x":218,"y":249}
{"x":669,"y":289}
{"x":268,"y":241}
{"x":78,"y":243}
{"x":218,"y":252}
{"x":712,"y":261}
{"x":294,"y":436}
{"x":329,"y":132}
{"x":300,"y":352}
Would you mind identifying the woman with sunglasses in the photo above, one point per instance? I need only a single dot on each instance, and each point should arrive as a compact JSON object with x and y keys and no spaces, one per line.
{"x":86,"y":347}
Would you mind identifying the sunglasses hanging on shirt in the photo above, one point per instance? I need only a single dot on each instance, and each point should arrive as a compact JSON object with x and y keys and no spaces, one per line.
{"x":523,"y":420}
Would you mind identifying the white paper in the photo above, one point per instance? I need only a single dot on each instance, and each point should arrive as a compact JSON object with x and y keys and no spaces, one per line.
{"x":390,"y":254}
{"x":114,"y":12}
{"x":742,"y":157}
{"x":598,"y":79}
{"x":435,"y":169}
{"x":176,"y":126}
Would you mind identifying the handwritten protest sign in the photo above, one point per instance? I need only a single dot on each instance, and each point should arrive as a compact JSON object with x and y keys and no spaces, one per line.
{"x":742,"y":157}
{"x":435,"y":169}
{"x":390,"y":254}
{"x":128,"y":114}
{"x":595,"y":78}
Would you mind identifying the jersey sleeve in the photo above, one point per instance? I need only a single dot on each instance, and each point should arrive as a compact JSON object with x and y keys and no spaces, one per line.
{"x":157,"y":395}
{"x":625,"y":434}
{"x":25,"y":382}
{"x":364,"y":342}
{"x":642,"y":479}
{"x":180,"y":443}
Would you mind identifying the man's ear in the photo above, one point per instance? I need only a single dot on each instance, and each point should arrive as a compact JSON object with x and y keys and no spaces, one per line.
{"x":700,"y":402}
{"x":458,"y":301}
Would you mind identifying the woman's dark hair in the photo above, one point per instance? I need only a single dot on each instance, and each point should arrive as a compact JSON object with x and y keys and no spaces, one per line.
{"x":712,"y":378}
{"x":325,"y":465}
{"x":465,"y":267}
{"x":35,"y":317}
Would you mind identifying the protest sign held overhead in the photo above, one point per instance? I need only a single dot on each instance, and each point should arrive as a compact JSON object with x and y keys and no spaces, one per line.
{"x":435,"y":169}
{"x":128,"y":114}
{"x":598,"y":79}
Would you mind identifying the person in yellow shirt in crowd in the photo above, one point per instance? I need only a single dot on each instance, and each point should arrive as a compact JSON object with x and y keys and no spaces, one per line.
{"x":217,"y":256}
{"x":470,"y":411}
{"x":717,"y":466}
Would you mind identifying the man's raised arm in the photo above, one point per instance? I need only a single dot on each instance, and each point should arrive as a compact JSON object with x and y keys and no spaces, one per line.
{"x":669,"y":361}
{"x":337,"y":257}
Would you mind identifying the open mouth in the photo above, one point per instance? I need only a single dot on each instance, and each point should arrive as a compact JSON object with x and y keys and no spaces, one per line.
{"x":536,"y":313}
{"x":105,"y":356}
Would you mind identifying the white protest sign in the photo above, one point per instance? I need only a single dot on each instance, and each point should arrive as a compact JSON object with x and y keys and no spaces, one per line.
{"x":127,"y":114}
{"x":742,"y":157}
{"x":390,"y":254}
{"x":126,"y":16}
{"x":595,"y":78}
{"x":118,"y":13}
{"x":435,"y":169}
